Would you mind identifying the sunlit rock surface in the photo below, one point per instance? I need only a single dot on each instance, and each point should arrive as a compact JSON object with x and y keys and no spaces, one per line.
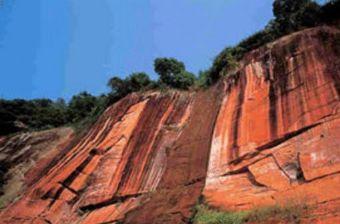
{"x":277,"y":135}
{"x":268,"y":134}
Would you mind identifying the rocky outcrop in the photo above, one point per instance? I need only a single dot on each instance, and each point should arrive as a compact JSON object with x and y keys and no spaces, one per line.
{"x":24,"y":157}
{"x":186,"y":163}
{"x":123,"y":160}
{"x":276,"y":138}
{"x":269,"y":134}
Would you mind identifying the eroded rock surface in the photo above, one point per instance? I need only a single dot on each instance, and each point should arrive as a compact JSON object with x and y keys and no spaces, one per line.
{"x":276,"y":138}
{"x":118,"y":164}
{"x":268,"y":134}
{"x":24,"y":157}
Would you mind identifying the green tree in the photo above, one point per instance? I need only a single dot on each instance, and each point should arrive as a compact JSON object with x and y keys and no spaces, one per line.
{"x":7,"y":119}
{"x":293,"y":15}
{"x":133,"y":83}
{"x":81,"y":106}
{"x":203,"y":80}
{"x":183,"y":80}
{"x":138,"y":81}
{"x":60,"y":112}
{"x":116,"y":84}
{"x":224,"y":61}
{"x":172,"y":73}
{"x":167,"y":68}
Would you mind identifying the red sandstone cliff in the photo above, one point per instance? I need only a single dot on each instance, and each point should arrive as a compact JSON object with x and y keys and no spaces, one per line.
{"x":24,"y":157}
{"x":268,"y":134}
{"x":277,"y":136}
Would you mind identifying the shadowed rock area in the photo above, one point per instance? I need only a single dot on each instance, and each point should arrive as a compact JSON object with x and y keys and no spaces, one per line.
{"x":268,"y":134}
{"x":24,"y":157}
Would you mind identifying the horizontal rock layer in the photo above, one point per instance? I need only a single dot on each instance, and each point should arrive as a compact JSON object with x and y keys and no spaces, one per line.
{"x":269,"y":134}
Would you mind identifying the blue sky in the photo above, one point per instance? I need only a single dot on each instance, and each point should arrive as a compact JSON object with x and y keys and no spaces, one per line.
{"x":57,"y":48}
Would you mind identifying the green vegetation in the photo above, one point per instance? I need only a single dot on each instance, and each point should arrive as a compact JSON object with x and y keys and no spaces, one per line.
{"x":206,"y":215}
{"x":289,"y":213}
{"x":133,"y":83}
{"x":293,"y":15}
{"x":38,"y":114}
{"x":290,"y":16}
{"x":224,"y":61}
{"x":203,"y":80}
{"x":172,"y":73}
{"x":83,"y":109}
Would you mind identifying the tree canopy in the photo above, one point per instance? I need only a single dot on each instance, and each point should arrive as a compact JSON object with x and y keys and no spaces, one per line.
{"x":133,"y":83}
{"x":295,"y":15}
{"x":173,"y":73}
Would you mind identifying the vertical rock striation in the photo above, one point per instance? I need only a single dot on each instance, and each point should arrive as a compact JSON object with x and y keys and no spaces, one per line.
{"x":187,"y":159}
{"x":276,"y":138}
{"x":113,"y":168}
{"x":268,"y":134}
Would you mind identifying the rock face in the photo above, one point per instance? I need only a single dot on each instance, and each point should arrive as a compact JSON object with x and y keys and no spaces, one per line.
{"x":24,"y":157}
{"x":276,"y":138}
{"x":269,"y":134}
{"x":143,"y":150}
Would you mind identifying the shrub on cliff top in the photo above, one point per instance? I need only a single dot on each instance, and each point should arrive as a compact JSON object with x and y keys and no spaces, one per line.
{"x":173,"y":73}
{"x":290,"y":16}
{"x":133,"y":83}
{"x":224,"y":61}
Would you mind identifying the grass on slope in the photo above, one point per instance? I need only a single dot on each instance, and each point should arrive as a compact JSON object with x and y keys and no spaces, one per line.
{"x":286,"y":214}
